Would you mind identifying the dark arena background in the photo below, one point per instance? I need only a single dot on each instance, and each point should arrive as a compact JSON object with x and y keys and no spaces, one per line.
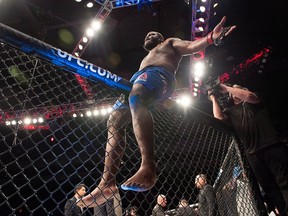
{"x":56,"y":98}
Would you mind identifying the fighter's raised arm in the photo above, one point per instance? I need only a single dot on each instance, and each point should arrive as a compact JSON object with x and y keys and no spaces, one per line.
{"x":216,"y":37}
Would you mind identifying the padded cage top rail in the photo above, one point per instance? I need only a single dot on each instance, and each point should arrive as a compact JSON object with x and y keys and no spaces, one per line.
{"x":33,"y":46}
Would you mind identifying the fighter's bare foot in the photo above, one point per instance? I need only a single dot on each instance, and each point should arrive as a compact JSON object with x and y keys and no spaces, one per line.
{"x":143,"y":180}
{"x":98,"y":196}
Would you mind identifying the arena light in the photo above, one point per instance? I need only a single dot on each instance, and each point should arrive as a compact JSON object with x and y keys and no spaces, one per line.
{"x":89,"y":4}
{"x":96,"y":25}
{"x":109,"y":109}
{"x":201,"y":19}
{"x":96,"y":112}
{"x":89,"y":113}
{"x":198,"y":69}
{"x":85,"y":39}
{"x":80,"y":46}
{"x":90,"y":32}
{"x":187,"y":2}
{"x":26,"y":121}
{"x":200,"y":28}
{"x":202,"y":9}
{"x":103,"y":111}
{"x":184,"y":100}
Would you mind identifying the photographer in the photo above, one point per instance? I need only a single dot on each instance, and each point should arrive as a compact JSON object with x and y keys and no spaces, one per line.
{"x":265,"y":151}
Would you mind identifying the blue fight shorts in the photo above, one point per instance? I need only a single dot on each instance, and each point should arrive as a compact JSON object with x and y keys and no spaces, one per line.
{"x":157,"y":79}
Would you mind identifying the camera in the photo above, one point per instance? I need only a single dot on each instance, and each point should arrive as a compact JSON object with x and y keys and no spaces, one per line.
{"x":211,"y":83}
{"x":213,"y":86}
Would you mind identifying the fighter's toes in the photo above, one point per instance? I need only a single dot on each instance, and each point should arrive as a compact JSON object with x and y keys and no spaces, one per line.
{"x":134,"y":187}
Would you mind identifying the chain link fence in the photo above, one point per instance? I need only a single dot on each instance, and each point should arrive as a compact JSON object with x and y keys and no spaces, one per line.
{"x":53,"y":137}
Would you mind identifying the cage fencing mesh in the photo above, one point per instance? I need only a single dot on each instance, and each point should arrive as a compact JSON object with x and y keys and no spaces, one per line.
{"x":41,"y":162}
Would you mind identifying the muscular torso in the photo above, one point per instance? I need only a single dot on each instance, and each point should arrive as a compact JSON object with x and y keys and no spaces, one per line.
{"x":163,"y":55}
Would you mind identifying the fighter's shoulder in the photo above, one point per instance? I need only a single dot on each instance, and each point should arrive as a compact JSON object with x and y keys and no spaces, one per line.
{"x":172,"y":39}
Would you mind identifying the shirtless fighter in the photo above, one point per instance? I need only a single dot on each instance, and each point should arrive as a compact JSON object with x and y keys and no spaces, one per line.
{"x":153,"y":83}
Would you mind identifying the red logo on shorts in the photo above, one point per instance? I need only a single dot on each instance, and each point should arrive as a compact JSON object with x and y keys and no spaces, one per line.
{"x":142,"y":77}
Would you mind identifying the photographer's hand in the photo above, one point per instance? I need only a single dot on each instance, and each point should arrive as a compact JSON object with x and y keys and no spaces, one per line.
{"x":213,"y":98}
{"x":223,"y":88}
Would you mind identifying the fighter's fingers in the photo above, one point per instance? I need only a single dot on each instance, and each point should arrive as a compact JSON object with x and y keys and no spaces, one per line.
{"x":230,"y":30}
{"x":223,"y":20}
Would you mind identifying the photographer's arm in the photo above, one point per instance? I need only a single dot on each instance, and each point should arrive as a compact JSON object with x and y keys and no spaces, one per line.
{"x":241,"y":93}
{"x":217,"y":112}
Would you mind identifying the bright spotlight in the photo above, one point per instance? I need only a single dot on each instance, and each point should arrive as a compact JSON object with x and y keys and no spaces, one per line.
{"x":185,"y":100}
{"x":27,"y":121}
{"x":201,"y":20}
{"x":202,"y":9}
{"x":199,"y":65}
{"x":103,"y":111}
{"x":89,"y":5}
{"x":109,"y":109}
{"x":89,"y":32}
{"x":85,"y":39}
{"x":96,"y":25}
{"x":96,"y":112}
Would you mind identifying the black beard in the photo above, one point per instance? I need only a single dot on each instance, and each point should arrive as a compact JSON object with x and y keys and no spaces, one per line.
{"x":150,"y":45}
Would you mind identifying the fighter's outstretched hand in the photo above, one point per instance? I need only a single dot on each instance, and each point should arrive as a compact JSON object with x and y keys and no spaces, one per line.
{"x":220,"y":32}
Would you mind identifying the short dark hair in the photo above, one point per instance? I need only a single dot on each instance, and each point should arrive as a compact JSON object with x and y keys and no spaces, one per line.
{"x":130,"y":209}
{"x":79,"y":186}
{"x":184,"y":201}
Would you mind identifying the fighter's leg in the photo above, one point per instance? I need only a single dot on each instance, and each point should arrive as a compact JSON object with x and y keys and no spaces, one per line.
{"x":115,"y":145}
{"x":142,"y":120}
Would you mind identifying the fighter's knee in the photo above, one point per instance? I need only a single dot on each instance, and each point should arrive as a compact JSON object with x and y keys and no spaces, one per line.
{"x":113,"y":119}
{"x":118,"y":118}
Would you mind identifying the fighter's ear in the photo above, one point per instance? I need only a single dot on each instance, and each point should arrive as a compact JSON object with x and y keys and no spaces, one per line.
{"x":160,"y":37}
